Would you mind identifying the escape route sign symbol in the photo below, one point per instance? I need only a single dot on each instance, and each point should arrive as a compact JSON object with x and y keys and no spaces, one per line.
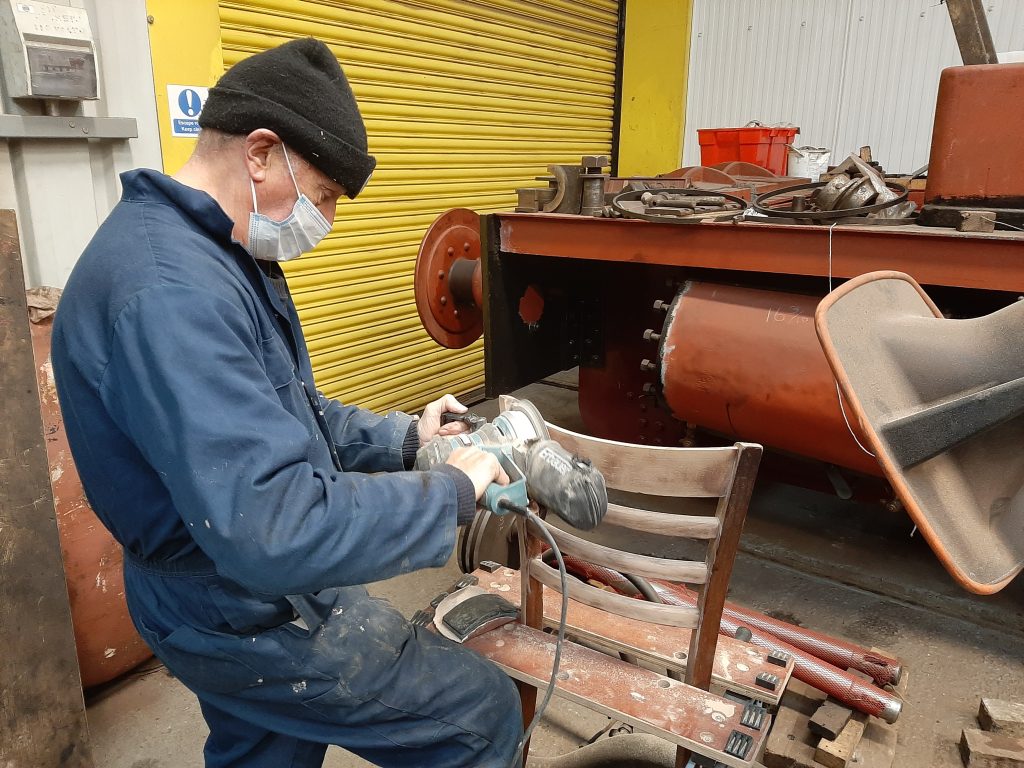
{"x":185,"y":103}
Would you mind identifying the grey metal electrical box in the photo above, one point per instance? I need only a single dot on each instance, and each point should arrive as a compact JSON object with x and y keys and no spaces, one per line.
{"x":47,"y":51}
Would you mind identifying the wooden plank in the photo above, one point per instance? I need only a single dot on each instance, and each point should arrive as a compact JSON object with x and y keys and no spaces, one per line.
{"x":656,"y":613}
{"x":687,"y":571}
{"x":737,"y":664}
{"x":43,"y":721}
{"x":678,"y":472}
{"x":830,"y":719}
{"x":839,"y":752}
{"x":1005,"y":717}
{"x":984,"y":749}
{"x":686,"y":716}
{"x":663,"y":523}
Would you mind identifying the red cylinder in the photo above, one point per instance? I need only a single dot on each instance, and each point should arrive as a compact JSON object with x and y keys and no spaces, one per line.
{"x":105,"y":637}
{"x":747,"y":363}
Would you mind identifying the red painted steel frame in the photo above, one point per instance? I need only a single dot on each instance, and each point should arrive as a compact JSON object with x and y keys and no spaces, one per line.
{"x":932,"y":256}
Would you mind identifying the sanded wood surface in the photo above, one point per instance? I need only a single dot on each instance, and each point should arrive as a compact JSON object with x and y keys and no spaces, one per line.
{"x":680,"y":472}
{"x":673,"y":710}
{"x":663,"y":523}
{"x":737,"y":664}
{"x":656,"y":613}
{"x":43,"y":713}
{"x":686,"y":571}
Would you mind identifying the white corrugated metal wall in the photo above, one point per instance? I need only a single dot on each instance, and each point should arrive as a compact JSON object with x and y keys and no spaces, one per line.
{"x":848,"y":72}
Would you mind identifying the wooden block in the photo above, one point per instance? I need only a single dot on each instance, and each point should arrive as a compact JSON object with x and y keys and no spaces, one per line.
{"x":877,"y":748}
{"x":830,"y":719}
{"x":1005,"y":717}
{"x":983,"y":749}
{"x":790,"y":744}
{"x":838,"y":752}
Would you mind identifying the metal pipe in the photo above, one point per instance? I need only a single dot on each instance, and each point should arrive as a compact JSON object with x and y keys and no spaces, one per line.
{"x":807,"y":667}
{"x":837,"y":683}
{"x":747,"y":363}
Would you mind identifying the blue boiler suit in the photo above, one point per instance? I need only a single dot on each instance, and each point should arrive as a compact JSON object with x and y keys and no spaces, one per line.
{"x":251,"y":508}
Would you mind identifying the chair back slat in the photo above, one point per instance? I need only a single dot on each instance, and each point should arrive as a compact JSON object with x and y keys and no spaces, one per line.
{"x":662,"y":523}
{"x":687,"y":571}
{"x":655,"y":613}
{"x":655,"y":470}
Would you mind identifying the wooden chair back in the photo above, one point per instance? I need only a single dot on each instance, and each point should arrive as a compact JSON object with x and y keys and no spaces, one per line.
{"x":726,"y":474}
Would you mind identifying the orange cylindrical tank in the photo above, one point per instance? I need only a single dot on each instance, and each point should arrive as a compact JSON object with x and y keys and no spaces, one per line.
{"x":105,"y":637}
{"x":747,"y":363}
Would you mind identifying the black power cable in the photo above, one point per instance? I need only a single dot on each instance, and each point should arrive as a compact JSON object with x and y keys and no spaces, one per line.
{"x":539,"y":525}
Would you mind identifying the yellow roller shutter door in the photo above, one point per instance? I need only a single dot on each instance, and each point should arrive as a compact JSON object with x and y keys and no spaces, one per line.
{"x":464,"y":101}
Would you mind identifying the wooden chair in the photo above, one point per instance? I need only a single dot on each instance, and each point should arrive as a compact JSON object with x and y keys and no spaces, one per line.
{"x":682,"y":711}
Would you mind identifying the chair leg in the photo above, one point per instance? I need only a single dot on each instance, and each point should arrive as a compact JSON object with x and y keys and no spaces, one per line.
{"x":682,"y":757}
{"x":528,"y":700}
{"x":532,"y":616}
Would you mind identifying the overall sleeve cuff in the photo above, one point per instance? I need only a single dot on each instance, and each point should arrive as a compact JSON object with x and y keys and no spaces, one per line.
{"x":465,"y":491}
{"x":410,"y":445}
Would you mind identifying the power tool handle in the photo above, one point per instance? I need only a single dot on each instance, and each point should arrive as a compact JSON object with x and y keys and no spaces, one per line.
{"x":471,"y":420}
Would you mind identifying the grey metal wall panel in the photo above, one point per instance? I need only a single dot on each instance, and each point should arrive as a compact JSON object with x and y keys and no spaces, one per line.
{"x":848,"y":72}
{"x":62,"y":189}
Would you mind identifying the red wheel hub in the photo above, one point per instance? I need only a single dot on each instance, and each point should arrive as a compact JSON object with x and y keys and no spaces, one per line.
{"x":448,"y":280}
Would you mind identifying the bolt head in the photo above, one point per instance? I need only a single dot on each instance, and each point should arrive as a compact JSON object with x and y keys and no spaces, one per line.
{"x":451,"y":250}
{"x":465,"y":246}
{"x":440,"y":274}
{"x":443,"y":300}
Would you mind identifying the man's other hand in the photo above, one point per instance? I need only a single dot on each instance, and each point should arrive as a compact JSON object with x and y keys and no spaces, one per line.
{"x":429,"y":425}
{"x":481,"y":467}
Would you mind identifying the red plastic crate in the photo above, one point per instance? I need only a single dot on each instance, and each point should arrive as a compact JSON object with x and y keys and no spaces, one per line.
{"x":758,"y":145}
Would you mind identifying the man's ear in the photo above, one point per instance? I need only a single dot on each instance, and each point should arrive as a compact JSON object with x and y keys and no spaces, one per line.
{"x":259,"y":145}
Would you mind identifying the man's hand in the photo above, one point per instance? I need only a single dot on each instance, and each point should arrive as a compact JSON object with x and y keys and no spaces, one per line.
{"x":481,"y":467}
{"x":429,"y":425}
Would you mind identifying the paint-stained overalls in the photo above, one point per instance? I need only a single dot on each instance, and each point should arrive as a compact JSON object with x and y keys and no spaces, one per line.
{"x":249,"y":521}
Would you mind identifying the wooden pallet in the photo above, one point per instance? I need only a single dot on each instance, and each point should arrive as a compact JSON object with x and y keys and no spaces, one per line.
{"x":737,"y":664}
{"x":866,"y":742}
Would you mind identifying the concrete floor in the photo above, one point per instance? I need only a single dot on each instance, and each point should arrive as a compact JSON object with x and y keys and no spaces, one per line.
{"x":838,"y":567}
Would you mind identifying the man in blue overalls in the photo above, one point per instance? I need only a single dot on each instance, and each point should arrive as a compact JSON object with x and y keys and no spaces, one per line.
{"x":250,"y":507}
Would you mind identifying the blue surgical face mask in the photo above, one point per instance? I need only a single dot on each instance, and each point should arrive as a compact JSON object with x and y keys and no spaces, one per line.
{"x":285,"y":240}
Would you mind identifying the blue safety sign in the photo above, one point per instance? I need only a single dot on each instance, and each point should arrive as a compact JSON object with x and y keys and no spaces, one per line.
{"x":185,"y":104}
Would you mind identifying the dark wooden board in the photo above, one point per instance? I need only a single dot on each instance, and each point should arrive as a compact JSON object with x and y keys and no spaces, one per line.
{"x":42,"y":712}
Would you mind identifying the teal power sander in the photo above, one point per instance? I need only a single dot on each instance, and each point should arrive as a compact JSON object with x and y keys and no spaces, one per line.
{"x":539,"y":469}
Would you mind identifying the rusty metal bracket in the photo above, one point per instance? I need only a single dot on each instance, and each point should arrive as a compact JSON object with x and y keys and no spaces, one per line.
{"x":973,"y":37}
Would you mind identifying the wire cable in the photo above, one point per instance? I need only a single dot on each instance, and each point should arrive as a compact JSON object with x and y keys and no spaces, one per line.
{"x":539,"y":524}
{"x":839,"y":394}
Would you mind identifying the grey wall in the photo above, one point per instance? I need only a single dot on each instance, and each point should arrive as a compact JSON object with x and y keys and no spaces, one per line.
{"x":62,"y":189}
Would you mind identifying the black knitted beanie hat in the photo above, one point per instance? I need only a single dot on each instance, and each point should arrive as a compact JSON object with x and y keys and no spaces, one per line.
{"x":298,"y":91}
